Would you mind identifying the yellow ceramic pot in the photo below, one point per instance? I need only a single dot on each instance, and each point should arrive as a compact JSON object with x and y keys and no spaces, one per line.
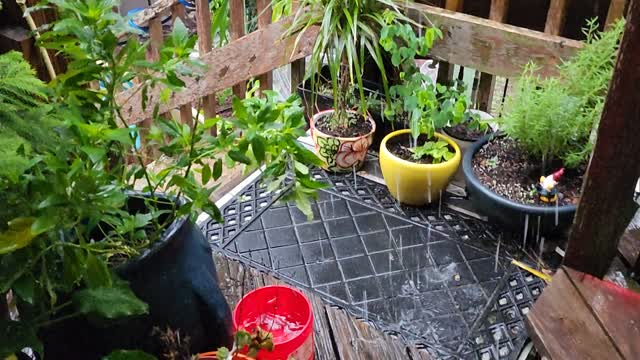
{"x":412,"y":183}
{"x":340,"y":154}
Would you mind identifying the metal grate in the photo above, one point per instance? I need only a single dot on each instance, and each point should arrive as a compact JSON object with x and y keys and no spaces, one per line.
{"x":428,"y":274}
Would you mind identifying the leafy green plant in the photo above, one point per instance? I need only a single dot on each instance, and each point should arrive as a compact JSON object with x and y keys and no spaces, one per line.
{"x":254,"y":341}
{"x":556,"y":118}
{"x":426,"y":105}
{"x":65,"y":225}
{"x":349,"y":32}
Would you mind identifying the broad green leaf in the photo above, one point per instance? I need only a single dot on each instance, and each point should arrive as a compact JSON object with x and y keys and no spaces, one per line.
{"x":121,"y":135}
{"x":18,"y":235}
{"x":206,"y":174}
{"x":97,"y":274}
{"x":141,"y":220}
{"x":109,"y":302}
{"x":73,"y":265}
{"x":243,"y":338}
{"x":24,"y":287}
{"x":258,"y":147}
{"x":239,"y":157}
{"x":129,"y":355}
{"x":96,"y":154}
{"x":217,"y":169}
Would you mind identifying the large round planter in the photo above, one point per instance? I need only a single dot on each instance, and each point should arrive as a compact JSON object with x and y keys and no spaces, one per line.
{"x":340,"y":154}
{"x":412,"y":183}
{"x":511,"y":214}
{"x":177,"y":278}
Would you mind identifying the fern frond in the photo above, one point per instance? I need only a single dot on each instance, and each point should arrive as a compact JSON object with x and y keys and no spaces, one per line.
{"x":20,"y":89}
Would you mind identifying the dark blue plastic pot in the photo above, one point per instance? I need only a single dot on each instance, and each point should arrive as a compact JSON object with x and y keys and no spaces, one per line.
{"x":177,"y":278}
{"x":508,"y":213}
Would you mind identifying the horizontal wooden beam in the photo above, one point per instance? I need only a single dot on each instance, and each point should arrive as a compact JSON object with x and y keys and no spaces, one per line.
{"x":252,"y":55}
{"x":159,"y":7}
{"x":491,"y":47}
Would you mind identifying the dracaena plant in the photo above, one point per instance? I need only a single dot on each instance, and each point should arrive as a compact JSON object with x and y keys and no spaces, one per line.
{"x":64,"y":223}
{"x":426,"y":106}
{"x":349,"y":32}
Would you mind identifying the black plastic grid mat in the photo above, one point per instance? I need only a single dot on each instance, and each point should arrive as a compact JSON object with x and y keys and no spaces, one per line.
{"x":429,"y":274}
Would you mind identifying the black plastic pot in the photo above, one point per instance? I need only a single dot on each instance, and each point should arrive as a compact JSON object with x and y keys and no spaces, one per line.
{"x":509,"y":213}
{"x":177,"y":278}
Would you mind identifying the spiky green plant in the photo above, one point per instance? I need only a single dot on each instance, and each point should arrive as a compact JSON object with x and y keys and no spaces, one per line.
{"x":556,"y":118}
{"x":349,"y":33}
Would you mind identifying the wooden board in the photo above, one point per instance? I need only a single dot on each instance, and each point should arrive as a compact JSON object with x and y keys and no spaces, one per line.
{"x":617,"y":311}
{"x":606,"y":206}
{"x":563,"y":327}
{"x":337,"y":334}
{"x":262,"y":51}
{"x":494,"y":48}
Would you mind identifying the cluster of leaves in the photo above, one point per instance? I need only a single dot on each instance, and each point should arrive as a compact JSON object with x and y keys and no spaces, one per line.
{"x":65,"y":223}
{"x":556,"y":118}
{"x":426,"y":105}
{"x":255,"y":341}
{"x":349,"y":33}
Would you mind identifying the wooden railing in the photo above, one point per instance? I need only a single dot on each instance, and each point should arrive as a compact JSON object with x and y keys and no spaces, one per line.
{"x":482,"y":44}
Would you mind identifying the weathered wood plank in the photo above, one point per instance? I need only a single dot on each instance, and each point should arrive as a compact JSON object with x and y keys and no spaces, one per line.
{"x":445,"y":70}
{"x":203,"y":27}
{"x":454,"y":5}
{"x":297,"y":74}
{"x":236,"y":31}
{"x":616,"y":11}
{"x":562,"y":326}
{"x":178,"y":12}
{"x":264,"y":49}
{"x":617,"y":311}
{"x":556,"y":17}
{"x":594,"y":238}
{"x":264,"y":19}
{"x":499,"y":10}
{"x":158,"y":8}
{"x":157,"y":37}
{"x":498,"y":49}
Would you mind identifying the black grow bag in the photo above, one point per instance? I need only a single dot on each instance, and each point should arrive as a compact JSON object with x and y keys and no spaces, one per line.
{"x":177,"y":278}
{"x":509,"y":213}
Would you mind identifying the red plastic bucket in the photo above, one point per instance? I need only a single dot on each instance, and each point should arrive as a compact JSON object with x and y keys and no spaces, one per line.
{"x":283,"y":311}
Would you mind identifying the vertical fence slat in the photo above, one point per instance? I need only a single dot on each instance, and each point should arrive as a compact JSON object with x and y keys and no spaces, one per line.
{"x":178,"y":12}
{"x":236,"y":30}
{"x":556,"y":16}
{"x":203,"y":26}
{"x":606,"y":204}
{"x":616,"y":11}
{"x":297,"y":74}
{"x":498,"y":12}
{"x":264,"y":19}
{"x":445,"y":70}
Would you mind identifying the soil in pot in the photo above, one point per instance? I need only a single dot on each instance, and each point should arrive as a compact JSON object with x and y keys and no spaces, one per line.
{"x":463,"y":132}
{"x":359,"y":126}
{"x":506,"y":169}
{"x":400,"y":146}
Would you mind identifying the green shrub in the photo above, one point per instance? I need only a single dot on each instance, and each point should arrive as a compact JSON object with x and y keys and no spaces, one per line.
{"x":556,"y":118}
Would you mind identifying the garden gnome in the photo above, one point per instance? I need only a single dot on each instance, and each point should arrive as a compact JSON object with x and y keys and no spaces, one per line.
{"x":546,"y":188}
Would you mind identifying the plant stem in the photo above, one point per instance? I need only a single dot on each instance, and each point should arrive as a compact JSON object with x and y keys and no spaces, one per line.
{"x":57,"y":320}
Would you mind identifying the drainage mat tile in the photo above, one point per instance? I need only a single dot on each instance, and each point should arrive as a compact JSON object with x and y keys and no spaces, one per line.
{"x":407,"y":277}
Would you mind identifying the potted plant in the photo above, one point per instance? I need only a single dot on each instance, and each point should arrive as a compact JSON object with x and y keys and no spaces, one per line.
{"x":245,"y":346}
{"x":549,"y":124}
{"x":348,"y":32}
{"x":418,"y":162}
{"x":96,"y":250}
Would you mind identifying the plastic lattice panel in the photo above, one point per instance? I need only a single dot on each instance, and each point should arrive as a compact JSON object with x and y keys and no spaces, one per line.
{"x":429,"y":274}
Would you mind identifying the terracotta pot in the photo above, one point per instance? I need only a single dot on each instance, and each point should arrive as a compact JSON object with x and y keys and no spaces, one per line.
{"x":341,"y":154}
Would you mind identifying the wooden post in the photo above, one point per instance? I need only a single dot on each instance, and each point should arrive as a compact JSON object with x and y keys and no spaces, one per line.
{"x":297,"y":74}
{"x":616,"y":10}
{"x":236,"y":30}
{"x":445,"y":70}
{"x":264,"y":19}
{"x":178,"y":12}
{"x":606,"y":205}
{"x":556,"y":17}
{"x":498,"y":12}
{"x":203,"y":26}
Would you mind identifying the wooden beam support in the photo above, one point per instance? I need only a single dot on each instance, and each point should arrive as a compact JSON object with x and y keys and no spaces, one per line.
{"x":556,"y":17}
{"x":616,"y":11}
{"x":607,"y":205}
{"x":264,"y":19}
{"x":263,"y":50}
{"x":297,"y":74}
{"x":203,"y":26}
{"x":498,"y":49}
{"x":236,"y":30}
{"x":178,"y":12}
{"x":499,"y":10}
{"x":156,"y":10}
{"x":445,"y":70}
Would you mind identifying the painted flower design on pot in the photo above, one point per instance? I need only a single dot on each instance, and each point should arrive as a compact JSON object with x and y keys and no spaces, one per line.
{"x":352,"y":153}
{"x":327,"y":148}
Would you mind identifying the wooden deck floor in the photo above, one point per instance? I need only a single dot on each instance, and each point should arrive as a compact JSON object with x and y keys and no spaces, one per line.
{"x":581,"y":317}
{"x":337,"y":334}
